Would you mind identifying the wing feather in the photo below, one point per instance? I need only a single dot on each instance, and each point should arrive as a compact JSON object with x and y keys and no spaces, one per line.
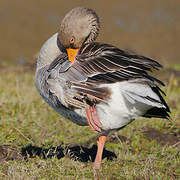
{"x":98,"y":63}
{"x":103,"y":61}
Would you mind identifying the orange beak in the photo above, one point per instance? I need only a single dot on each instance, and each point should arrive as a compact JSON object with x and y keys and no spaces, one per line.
{"x":72,"y":54}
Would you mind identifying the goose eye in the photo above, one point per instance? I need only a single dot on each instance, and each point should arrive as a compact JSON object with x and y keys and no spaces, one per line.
{"x":72,"y":40}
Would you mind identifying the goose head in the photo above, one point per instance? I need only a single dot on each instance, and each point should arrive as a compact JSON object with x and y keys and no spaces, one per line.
{"x":80,"y":25}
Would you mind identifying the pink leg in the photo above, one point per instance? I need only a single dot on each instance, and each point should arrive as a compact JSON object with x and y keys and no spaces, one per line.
{"x":95,"y":124}
{"x":95,"y":116}
{"x":100,"y":143}
{"x":93,"y":120}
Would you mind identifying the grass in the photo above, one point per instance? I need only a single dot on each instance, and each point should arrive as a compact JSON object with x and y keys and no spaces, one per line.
{"x":145,"y":149}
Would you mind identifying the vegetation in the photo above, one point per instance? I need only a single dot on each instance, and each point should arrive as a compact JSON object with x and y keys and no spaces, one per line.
{"x":37,"y":143}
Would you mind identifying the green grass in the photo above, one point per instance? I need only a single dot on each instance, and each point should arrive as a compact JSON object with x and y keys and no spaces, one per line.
{"x":26,"y":119}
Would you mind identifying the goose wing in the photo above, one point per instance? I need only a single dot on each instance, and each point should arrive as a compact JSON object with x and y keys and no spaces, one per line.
{"x":96,"y":64}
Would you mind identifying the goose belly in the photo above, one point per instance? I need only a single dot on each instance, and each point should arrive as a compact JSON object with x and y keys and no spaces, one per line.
{"x":127,"y":102}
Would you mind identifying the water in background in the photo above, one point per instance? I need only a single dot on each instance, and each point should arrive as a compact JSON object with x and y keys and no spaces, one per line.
{"x":151,"y":28}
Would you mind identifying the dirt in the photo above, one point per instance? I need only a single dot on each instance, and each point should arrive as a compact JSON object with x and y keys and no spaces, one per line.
{"x":9,"y":153}
{"x":162,"y":138}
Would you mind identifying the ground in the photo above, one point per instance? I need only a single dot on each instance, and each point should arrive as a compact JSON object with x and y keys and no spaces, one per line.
{"x":37,"y":143}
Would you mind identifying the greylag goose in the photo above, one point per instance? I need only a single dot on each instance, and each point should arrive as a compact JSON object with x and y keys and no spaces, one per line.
{"x":93,"y":83}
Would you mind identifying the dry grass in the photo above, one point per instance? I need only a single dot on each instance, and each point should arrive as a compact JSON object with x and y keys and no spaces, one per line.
{"x":146,"y":149}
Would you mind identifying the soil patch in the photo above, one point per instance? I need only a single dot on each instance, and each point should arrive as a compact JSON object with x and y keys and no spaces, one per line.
{"x":161,"y":138}
{"x":9,"y":153}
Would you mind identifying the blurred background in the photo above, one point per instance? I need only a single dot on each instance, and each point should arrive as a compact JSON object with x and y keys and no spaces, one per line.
{"x":150,"y":28}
